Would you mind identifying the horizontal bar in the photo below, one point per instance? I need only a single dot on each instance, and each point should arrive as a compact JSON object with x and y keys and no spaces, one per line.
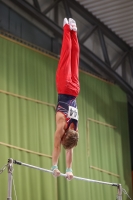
{"x":64,"y":175}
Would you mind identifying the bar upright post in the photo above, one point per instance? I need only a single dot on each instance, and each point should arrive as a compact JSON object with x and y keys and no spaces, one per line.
{"x":10,"y":171}
{"x":119,"y":195}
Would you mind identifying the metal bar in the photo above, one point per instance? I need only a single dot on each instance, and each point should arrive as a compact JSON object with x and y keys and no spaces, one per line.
{"x":131,"y":62}
{"x":124,"y":75}
{"x":88,"y":34}
{"x":36,"y":4}
{"x":119,"y":195}
{"x":51,"y":7}
{"x":67,"y":9}
{"x":56,"y":11}
{"x":10,"y":171}
{"x":120,"y":61}
{"x":64,"y":175}
{"x":55,"y":43}
{"x":104,"y":48}
{"x":94,"y":21}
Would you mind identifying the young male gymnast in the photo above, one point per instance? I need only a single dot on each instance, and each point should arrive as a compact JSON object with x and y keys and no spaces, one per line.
{"x":68,"y":87}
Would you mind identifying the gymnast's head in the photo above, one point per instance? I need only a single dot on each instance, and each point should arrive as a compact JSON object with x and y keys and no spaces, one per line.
{"x":70,"y":139}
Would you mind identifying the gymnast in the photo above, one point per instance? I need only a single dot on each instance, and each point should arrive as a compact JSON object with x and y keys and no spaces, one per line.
{"x":68,"y":87}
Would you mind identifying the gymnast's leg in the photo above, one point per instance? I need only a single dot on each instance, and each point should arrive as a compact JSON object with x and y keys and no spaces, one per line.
{"x":73,"y":86}
{"x":63,"y":73}
{"x":75,"y":61}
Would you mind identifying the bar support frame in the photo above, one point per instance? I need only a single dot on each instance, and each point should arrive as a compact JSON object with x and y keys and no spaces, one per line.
{"x":10,"y":171}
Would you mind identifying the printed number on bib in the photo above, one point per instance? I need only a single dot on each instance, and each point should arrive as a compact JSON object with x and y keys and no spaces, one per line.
{"x":73,"y":113}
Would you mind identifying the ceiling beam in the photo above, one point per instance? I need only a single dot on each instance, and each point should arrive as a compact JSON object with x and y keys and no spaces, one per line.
{"x":120,"y":61}
{"x":36,"y":4}
{"x":104,"y":48}
{"x":56,"y":13}
{"x":124,"y":72}
{"x":88,"y":34}
{"x":67,"y":9}
{"x":94,"y":21}
{"x":131,"y":62}
{"x":52,"y":5}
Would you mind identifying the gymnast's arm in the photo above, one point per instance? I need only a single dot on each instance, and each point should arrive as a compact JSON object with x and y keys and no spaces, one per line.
{"x":60,"y":130}
{"x":69,"y":158}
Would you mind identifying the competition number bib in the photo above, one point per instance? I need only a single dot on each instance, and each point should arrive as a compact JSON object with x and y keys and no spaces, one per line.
{"x":73,"y":113}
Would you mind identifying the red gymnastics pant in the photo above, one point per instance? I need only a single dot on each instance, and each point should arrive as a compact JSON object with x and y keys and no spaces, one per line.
{"x":67,"y":75}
